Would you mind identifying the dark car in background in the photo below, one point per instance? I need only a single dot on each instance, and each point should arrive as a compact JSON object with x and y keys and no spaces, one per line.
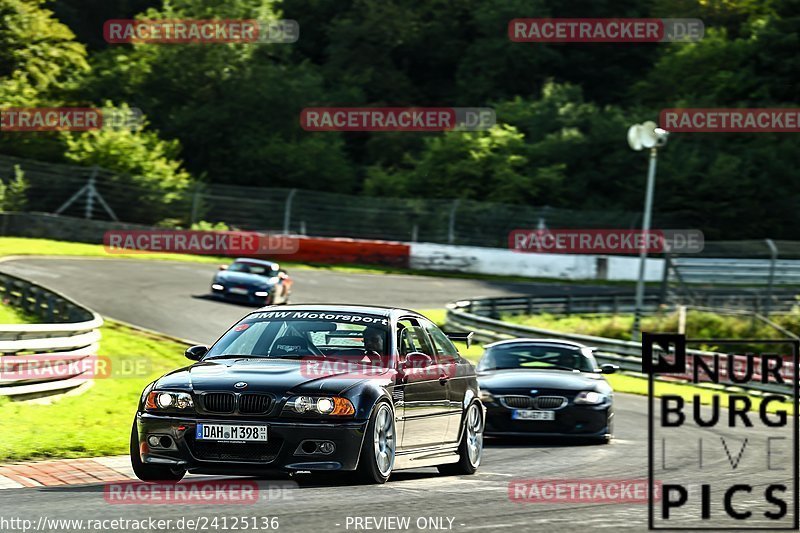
{"x":320,"y":388}
{"x":540,"y":387}
{"x":253,"y":281}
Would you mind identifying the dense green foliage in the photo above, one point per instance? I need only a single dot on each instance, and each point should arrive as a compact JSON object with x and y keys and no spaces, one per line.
{"x":229,"y":114}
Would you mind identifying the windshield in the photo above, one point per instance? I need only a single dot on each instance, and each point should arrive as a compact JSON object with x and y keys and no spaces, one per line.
{"x":253,"y":268}
{"x":358,"y":338}
{"x":536,"y":356}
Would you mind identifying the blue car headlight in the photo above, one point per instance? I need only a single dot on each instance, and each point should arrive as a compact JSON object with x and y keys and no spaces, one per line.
{"x":590,"y":398}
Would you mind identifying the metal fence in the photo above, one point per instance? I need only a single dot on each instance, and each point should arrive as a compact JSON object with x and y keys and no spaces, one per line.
{"x":69,"y":334}
{"x":98,"y":193}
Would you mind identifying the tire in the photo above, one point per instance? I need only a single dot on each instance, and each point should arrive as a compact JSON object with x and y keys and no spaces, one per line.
{"x":147,"y":472}
{"x":470,"y":449}
{"x":380,"y":440}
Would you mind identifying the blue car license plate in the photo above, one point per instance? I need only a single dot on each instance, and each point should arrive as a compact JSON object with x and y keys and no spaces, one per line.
{"x":530,"y":414}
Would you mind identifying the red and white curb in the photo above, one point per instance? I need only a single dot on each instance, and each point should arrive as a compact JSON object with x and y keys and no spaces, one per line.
{"x":66,"y":472}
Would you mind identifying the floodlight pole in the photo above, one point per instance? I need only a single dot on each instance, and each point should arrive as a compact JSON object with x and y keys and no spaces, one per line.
{"x":648,"y":210}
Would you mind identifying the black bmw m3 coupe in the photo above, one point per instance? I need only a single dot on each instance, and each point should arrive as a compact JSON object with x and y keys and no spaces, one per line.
{"x":319,"y":388}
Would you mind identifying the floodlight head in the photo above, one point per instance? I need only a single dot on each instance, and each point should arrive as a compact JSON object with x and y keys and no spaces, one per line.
{"x":662,"y":136}
{"x":634,"y":137}
{"x":647,"y":135}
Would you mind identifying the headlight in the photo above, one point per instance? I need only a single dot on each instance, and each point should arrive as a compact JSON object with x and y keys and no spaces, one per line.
{"x":590,"y":398}
{"x":486,"y":396}
{"x":326,"y":405}
{"x":168,"y":400}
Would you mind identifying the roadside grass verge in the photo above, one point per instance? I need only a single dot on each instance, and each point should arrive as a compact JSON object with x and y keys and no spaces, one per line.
{"x":699,"y":324}
{"x":12,"y":315}
{"x":96,"y":422}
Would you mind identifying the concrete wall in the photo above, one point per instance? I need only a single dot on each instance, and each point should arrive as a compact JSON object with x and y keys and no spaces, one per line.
{"x":478,"y":260}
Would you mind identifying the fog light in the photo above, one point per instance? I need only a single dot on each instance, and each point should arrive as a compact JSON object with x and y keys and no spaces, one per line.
{"x":261,"y":294}
{"x":153,"y":441}
{"x":165,"y":442}
{"x":218,"y":287}
{"x":326,"y":447}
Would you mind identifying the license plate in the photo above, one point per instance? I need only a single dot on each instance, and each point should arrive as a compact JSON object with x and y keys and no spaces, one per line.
{"x":223,"y":432}
{"x":530,"y":414}
{"x":238,"y":290}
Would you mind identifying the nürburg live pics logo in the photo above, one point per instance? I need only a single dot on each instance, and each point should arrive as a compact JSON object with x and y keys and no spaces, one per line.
{"x":722,"y":435}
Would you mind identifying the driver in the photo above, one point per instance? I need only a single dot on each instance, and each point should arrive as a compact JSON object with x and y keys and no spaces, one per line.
{"x":373,"y":341}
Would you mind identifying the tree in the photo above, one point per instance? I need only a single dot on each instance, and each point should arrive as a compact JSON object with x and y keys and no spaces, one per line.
{"x":13,"y":195}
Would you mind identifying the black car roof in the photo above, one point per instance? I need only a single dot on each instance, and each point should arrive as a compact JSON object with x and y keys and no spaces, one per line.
{"x":547,"y":342}
{"x":348,"y":308}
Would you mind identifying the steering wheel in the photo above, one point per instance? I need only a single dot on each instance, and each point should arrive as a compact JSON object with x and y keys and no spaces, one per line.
{"x":375,"y":359}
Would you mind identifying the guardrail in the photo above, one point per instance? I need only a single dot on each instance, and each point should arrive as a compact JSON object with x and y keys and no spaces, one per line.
{"x":610,"y":302}
{"x":70,"y":333}
{"x":463,"y":316}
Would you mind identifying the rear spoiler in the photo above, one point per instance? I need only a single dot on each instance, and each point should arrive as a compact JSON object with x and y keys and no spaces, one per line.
{"x":461,"y":337}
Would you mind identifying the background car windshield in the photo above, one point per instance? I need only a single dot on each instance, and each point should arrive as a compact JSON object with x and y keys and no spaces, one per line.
{"x":295,"y":339}
{"x":252,"y":268}
{"x":535,"y":356}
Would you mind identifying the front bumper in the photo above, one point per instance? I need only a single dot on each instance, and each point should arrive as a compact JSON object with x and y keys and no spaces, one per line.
{"x":571,"y":421}
{"x":250,"y":297}
{"x":282,"y":451}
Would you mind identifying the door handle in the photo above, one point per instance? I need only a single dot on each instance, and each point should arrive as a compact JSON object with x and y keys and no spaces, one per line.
{"x":443,"y":379}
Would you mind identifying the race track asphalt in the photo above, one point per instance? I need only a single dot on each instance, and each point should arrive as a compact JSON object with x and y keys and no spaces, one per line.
{"x":169,"y":297}
{"x":173,"y":297}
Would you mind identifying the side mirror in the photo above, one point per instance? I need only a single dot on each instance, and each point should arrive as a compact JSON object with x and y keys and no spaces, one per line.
{"x":195,"y":353}
{"x":223,"y":267}
{"x":461,"y":337}
{"x":608,"y":369}
{"x":417,"y":360}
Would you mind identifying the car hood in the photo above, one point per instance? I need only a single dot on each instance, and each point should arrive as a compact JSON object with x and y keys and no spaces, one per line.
{"x":262,"y":375}
{"x":242,"y":278}
{"x":544,"y":379}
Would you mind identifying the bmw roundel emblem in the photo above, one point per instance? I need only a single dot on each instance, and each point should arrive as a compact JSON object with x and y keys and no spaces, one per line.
{"x":533,"y":391}
{"x":240,"y":385}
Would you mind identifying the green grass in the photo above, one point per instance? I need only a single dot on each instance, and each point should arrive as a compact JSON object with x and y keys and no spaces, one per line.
{"x":96,"y":422}
{"x":699,"y":324}
{"x":11,"y":315}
